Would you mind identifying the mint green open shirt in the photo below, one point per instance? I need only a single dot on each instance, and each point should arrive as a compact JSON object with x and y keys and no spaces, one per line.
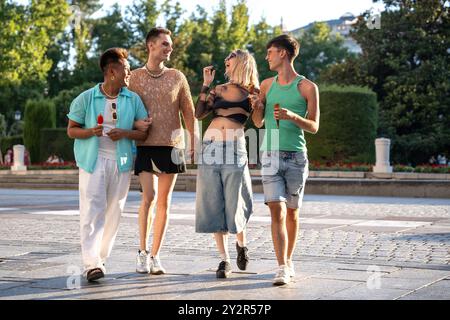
{"x":84,"y":110}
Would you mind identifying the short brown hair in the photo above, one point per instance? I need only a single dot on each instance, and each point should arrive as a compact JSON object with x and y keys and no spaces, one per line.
{"x":155,"y":32}
{"x":112,"y":55}
{"x":287,"y":42}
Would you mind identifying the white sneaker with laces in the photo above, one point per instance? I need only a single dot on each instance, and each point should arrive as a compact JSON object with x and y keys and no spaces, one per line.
{"x":282,"y":276}
{"x":143,"y":262}
{"x":156,"y":266}
{"x":291,"y":268}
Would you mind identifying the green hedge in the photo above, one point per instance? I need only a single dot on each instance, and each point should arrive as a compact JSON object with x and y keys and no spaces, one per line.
{"x":39,"y":114}
{"x":56,"y":141}
{"x":63,"y":100}
{"x":348,"y":125}
{"x":9,"y":142}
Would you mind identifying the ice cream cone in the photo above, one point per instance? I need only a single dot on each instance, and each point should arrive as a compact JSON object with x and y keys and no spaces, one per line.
{"x":277,"y":108}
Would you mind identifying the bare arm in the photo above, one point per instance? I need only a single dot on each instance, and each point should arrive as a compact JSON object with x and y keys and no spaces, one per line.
{"x":117,"y":134}
{"x":143,"y":124}
{"x":310,"y":92}
{"x":75,"y":131}
{"x":259,"y":102}
{"x":204,"y":102}
{"x":188,"y":111}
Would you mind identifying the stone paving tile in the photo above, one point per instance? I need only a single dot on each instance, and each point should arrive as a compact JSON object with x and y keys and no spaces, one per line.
{"x":361,"y":292}
{"x":27,"y":293}
{"x":176,"y":287}
{"x":347,"y":275}
{"x":357,"y":228}
{"x":436,"y":291}
{"x":421,"y":274}
{"x":318,"y":287}
{"x":259,"y":287}
{"x":5,"y":285}
{"x":402,"y":283}
{"x":12,"y":251}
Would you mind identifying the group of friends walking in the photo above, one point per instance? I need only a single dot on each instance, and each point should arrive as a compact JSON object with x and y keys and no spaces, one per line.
{"x":146,"y":105}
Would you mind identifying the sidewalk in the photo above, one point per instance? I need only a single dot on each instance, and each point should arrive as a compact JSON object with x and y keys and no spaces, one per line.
{"x":348,"y":248}
{"x":415,"y":185}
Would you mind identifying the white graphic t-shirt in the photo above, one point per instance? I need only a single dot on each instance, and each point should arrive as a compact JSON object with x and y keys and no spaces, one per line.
{"x":107,"y":147}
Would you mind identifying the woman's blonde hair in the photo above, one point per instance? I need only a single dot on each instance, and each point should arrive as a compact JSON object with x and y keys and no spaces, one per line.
{"x":244,"y":72}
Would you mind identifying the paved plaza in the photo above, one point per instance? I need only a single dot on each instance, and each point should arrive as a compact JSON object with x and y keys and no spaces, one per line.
{"x":349,"y":248}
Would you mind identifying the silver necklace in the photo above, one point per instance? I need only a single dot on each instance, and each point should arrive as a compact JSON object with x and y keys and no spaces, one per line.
{"x":107,"y":95}
{"x":155,"y":75}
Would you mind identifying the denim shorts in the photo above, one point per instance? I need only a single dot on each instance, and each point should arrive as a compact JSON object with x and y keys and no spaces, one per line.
{"x":224,"y":198}
{"x":284,"y":175}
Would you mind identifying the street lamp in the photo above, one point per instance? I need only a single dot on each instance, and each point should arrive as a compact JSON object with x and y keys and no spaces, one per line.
{"x":17,"y":115}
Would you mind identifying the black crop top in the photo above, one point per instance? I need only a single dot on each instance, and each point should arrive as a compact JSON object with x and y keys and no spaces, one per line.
{"x":220,"y":103}
{"x":216,"y":103}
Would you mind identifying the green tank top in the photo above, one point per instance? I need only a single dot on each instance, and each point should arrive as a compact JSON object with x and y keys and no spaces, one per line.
{"x":288,"y":137}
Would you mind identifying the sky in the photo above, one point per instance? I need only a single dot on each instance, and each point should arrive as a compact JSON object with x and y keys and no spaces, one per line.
{"x":295,"y":13}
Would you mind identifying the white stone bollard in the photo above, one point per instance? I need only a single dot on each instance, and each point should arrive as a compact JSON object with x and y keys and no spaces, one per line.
{"x":19,"y":156}
{"x":382,"y":148}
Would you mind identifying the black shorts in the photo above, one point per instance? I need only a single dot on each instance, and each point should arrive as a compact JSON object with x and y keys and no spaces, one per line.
{"x":159,"y":159}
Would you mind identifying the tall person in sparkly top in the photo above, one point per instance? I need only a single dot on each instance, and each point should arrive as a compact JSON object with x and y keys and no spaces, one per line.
{"x":101,"y":121}
{"x":224,"y":200}
{"x":287,"y":106}
{"x":161,"y":157}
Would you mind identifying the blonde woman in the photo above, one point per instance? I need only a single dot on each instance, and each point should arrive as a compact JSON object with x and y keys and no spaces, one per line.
{"x":224,"y":190}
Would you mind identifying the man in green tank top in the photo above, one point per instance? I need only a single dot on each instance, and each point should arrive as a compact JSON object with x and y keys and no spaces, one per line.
{"x":287,"y":105}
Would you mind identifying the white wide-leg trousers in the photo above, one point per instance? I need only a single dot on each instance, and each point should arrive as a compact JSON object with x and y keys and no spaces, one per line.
{"x":103,"y":194}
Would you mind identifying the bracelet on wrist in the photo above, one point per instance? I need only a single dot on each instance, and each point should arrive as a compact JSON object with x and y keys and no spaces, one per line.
{"x":204,"y":89}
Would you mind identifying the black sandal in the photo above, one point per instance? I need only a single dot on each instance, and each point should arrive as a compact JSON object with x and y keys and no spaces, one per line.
{"x":94,"y":274}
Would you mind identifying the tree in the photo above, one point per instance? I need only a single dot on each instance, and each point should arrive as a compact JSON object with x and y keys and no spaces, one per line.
{"x":111,"y":31}
{"x":260,"y":35}
{"x":2,"y":126}
{"x":26,"y":32}
{"x":39,"y":114}
{"x":218,"y":39}
{"x":141,"y":16}
{"x":319,"y":48}
{"x":238,"y":35}
{"x":406,"y":63}
{"x":181,"y":35}
{"x":200,"y":48}
{"x":86,"y":68}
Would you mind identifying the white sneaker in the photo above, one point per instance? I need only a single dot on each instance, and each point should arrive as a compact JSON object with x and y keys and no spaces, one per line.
{"x":291,"y":268}
{"x":143,"y":262}
{"x":156,"y":266}
{"x":282,"y":276}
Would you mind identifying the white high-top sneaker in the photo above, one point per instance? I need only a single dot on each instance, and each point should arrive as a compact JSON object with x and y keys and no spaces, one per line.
{"x":282,"y":276}
{"x":291,"y":268}
{"x":156,"y":266}
{"x":143,"y":262}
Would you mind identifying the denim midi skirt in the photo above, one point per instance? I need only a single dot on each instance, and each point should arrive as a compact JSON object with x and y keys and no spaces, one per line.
{"x":224,"y":198}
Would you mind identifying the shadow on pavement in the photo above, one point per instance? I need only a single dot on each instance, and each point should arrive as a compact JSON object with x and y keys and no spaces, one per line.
{"x":136,"y":286}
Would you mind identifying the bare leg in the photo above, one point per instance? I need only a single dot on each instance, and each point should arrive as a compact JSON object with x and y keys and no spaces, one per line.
{"x":279,"y":232}
{"x":292,"y":227}
{"x":242,"y":238}
{"x":146,"y":208}
{"x":222,"y":243}
{"x":166,"y":182}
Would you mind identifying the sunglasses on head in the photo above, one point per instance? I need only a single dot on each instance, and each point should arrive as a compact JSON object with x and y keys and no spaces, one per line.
{"x":230,"y":56}
{"x":114,"y":111}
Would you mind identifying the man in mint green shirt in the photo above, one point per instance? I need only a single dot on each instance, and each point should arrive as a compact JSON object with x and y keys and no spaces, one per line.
{"x":287,"y":105}
{"x":101,"y":121}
